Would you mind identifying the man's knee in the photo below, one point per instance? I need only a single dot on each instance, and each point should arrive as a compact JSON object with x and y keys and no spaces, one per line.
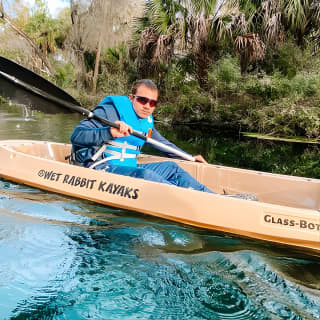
{"x":173,"y":167}
{"x":153,"y":176}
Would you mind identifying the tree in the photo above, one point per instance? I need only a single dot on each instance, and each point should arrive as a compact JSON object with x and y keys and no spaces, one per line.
{"x":274,"y":21}
{"x":99,"y":24}
{"x":42,"y":28}
{"x":189,"y":27}
{"x":199,"y":29}
{"x":250,"y":49}
{"x":19,"y":30}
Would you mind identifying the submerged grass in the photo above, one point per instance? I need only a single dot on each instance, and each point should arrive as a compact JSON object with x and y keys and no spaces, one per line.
{"x":286,"y":139}
{"x":3,"y":100}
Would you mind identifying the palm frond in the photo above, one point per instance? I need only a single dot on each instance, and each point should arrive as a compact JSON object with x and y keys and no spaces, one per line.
{"x":272,"y":21}
{"x":294,"y":11}
{"x":164,"y":50}
{"x":250,"y":48}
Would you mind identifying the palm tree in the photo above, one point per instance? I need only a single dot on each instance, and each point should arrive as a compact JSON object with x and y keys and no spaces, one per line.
{"x":268,"y":23}
{"x":274,"y":20}
{"x":155,"y":36}
{"x":198,"y":28}
{"x":250,"y":48}
{"x":190,"y":27}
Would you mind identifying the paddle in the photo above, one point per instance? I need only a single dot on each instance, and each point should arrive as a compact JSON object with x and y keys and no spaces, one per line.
{"x":36,"y":85}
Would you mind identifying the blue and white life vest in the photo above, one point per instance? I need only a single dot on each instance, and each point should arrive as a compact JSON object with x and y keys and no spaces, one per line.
{"x":124,"y":150}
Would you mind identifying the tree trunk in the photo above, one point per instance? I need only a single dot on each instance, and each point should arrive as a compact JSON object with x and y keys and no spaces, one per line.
{"x":77,"y":43}
{"x":96,"y":67}
{"x":1,"y":10}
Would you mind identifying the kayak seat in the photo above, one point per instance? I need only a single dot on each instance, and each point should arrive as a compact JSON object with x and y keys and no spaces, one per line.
{"x":71,"y":159}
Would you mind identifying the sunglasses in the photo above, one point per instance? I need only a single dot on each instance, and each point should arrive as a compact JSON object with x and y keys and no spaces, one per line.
{"x":144,"y":100}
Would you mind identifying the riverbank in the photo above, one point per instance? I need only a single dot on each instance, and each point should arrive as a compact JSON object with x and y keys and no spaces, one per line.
{"x":284,"y":102}
{"x":275,"y":104}
{"x":279,"y":104}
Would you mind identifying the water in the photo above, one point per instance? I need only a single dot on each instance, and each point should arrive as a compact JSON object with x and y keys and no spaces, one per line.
{"x":63,"y":258}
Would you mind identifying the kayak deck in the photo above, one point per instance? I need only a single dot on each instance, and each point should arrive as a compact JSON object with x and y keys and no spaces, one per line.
{"x":287,"y":211}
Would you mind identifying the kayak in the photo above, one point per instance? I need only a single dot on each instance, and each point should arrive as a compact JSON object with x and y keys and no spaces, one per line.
{"x":286,"y":211}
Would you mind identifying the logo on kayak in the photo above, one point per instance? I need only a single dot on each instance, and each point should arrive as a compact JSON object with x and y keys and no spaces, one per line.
{"x":103,"y":186}
{"x":291,"y":222}
{"x":118,"y":189}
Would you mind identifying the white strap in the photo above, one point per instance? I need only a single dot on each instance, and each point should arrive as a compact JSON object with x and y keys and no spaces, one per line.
{"x":98,"y":153}
{"x":114,"y":157}
{"x":121,"y":145}
{"x":102,"y":161}
{"x":121,"y":155}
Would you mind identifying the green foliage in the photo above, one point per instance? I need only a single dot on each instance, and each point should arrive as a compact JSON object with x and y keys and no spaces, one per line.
{"x":3,"y":100}
{"x":225,"y":74}
{"x":46,"y":31}
{"x":117,"y":73}
{"x":228,"y":70}
{"x":63,"y":27}
{"x":85,"y":99}
{"x":287,"y":120}
{"x":181,"y":96}
{"x":16,"y":55}
{"x":288,"y":59}
{"x":175,"y":78}
{"x":112,"y":59}
{"x":89,"y":60}
{"x":280,"y":96}
{"x":276,"y":86}
{"x":65,"y":75}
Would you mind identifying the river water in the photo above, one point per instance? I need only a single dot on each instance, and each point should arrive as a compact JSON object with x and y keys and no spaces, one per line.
{"x":63,"y":258}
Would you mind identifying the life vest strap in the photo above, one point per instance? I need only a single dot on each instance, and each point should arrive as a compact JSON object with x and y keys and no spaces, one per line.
{"x":115,"y":156}
{"x":121,"y":145}
{"x":102,"y":161}
{"x":98,"y":153}
{"x":120,"y":155}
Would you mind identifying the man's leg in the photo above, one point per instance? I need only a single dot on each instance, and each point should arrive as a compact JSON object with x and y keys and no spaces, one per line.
{"x":171,"y":172}
{"x":136,"y":172}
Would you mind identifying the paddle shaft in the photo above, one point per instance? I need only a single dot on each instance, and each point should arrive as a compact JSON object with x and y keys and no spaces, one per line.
{"x":91,"y":115}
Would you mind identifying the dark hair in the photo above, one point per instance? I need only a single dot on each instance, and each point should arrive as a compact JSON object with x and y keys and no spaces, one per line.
{"x":143,"y":82}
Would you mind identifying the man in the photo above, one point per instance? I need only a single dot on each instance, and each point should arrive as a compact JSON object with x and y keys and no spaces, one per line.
{"x":116,"y":150}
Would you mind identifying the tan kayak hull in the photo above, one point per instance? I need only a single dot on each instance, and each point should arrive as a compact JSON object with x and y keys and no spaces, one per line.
{"x":286,"y":213}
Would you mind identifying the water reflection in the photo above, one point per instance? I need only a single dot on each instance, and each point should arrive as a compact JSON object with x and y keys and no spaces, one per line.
{"x":63,"y":258}
{"x":18,"y":122}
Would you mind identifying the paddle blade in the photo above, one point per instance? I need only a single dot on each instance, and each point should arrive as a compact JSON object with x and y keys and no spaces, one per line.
{"x":20,"y":96}
{"x":23,"y":86}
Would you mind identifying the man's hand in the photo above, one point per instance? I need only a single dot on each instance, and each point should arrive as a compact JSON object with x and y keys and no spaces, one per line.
{"x":199,"y":158}
{"x":124,"y":130}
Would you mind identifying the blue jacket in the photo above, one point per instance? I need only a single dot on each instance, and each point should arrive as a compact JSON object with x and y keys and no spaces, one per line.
{"x":91,"y":134}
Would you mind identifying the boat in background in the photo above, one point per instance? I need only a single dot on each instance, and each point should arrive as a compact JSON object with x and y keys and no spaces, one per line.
{"x":287,"y":210}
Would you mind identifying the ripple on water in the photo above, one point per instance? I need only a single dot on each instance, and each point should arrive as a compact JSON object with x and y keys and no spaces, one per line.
{"x":272,"y":294}
{"x":55,"y":266}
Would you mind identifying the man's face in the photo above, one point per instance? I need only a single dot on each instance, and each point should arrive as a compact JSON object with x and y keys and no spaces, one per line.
{"x":144,"y":107}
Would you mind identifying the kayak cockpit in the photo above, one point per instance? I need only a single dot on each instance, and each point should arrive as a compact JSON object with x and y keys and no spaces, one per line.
{"x":42,"y":149}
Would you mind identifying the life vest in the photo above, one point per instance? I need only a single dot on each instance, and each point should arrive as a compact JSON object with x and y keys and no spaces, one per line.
{"x":124,"y":150}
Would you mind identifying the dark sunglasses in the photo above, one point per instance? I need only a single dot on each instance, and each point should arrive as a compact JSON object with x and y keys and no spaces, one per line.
{"x":144,"y":100}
